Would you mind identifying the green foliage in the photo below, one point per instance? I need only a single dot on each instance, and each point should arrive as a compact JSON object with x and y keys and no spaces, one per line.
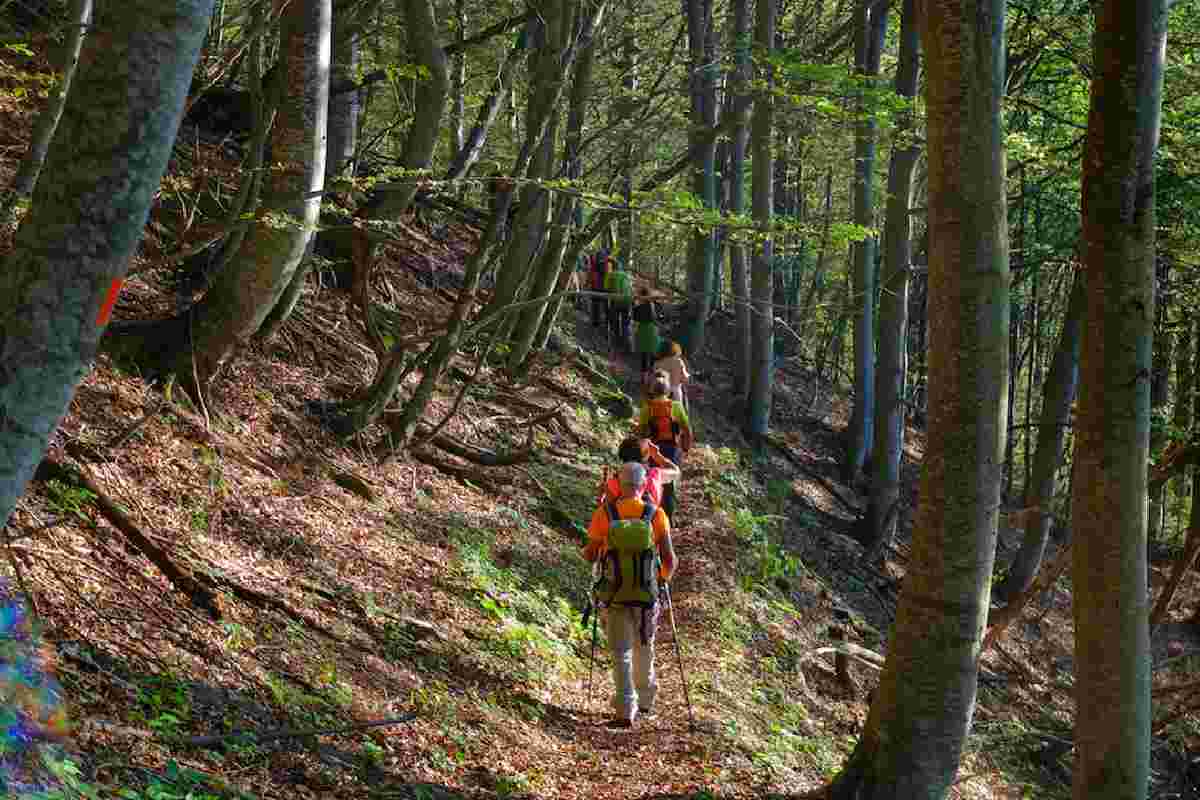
{"x":68,"y":499}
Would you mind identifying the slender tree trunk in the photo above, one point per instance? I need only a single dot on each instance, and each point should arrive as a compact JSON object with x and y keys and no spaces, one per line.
{"x":893,"y":304}
{"x":1181,"y":418}
{"x":1112,"y":432}
{"x":240,"y":299}
{"x":553,"y":265}
{"x":434,"y":360}
{"x":871,"y":30}
{"x":530,"y":226}
{"x":703,"y":115}
{"x":1160,"y":389}
{"x":738,"y":269}
{"x":71,"y":251}
{"x":816,"y":292}
{"x":1058,"y":393}
{"x":762,"y":279}
{"x":458,"y":107}
{"x":344,"y":107}
{"x":914,"y":734}
{"x":472,"y":147}
{"x":47,"y":124}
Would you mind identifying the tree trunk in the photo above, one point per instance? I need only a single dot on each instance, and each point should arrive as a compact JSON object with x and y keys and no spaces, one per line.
{"x":871,"y":26}
{"x":1112,"y":433}
{"x":922,"y":709}
{"x":531,"y":223}
{"x":738,"y":271}
{"x":424,"y":45}
{"x":243,"y":295}
{"x":70,"y":253}
{"x":472,"y":147}
{"x":404,"y":426}
{"x":1160,"y":383}
{"x":1058,"y":393}
{"x":458,"y":105}
{"x":703,"y":115}
{"x":1181,"y":418}
{"x":762,"y":279}
{"x":43,"y":131}
{"x":816,"y":291}
{"x":553,"y":265}
{"x":893,"y":305}
{"x":344,"y":107}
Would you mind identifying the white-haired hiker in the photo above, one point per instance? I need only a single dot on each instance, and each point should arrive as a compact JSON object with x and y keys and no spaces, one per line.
{"x":633,"y":539}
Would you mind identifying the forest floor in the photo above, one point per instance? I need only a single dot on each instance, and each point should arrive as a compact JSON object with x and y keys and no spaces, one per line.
{"x":349,"y":588}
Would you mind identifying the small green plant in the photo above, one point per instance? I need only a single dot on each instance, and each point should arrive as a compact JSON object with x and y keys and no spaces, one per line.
{"x":64,"y":498}
{"x":512,"y":785}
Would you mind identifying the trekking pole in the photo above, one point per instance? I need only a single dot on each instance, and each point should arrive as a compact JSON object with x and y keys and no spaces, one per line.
{"x":679,"y":655}
{"x":595,"y":612}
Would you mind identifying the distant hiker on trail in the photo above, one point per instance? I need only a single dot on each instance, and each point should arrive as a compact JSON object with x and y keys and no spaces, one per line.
{"x":600,"y":269}
{"x":665,"y":422}
{"x":646,"y":335}
{"x":660,"y":473}
{"x":676,"y":369}
{"x":620,"y":284}
{"x":632,"y":538}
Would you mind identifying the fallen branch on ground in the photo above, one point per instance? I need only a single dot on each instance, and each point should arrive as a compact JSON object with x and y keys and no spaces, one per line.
{"x":200,"y":596}
{"x":809,"y":473}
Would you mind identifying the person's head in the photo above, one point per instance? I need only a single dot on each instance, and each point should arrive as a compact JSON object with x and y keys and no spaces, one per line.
{"x":631,"y":450}
{"x":661,"y":385}
{"x":632,"y":479}
{"x":676,"y":349}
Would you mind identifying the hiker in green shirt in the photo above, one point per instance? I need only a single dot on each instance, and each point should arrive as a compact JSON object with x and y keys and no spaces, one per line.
{"x":619,"y":283}
{"x":646,"y":338}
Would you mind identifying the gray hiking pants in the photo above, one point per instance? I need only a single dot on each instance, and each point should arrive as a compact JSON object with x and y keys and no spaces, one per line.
{"x":633,"y":662}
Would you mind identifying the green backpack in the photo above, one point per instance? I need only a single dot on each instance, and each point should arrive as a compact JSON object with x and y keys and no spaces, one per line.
{"x":631,"y":563}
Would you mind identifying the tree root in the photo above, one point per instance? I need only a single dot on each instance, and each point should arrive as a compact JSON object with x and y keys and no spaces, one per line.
{"x":462,"y":474}
{"x":200,"y":596}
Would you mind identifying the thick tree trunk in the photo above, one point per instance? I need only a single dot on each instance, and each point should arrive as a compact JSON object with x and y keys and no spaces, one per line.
{"x":1058,"y":393}
{"x":47,"y":124}
{"x":243,"y":295}
{"x":553,"y":266}
{"x":922,"y":709}
{"x":871,"y":28}
{"x":762,"y":279}
{"x":69,"y":256}
{"x":738,"y":268}
{"x":703,"y":115}
{"x":893,"y":306}
{"x":1112,"y":430}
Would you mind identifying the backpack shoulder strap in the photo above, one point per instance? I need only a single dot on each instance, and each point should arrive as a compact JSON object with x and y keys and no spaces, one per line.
{"x":648,"y":510}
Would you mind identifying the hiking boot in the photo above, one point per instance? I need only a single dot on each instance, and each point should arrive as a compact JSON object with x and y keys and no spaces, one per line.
{"x":619,"y":723}
{"x":646,"y":713}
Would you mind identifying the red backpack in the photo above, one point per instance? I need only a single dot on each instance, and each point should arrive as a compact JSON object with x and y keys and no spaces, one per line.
{"x":663,"y":427}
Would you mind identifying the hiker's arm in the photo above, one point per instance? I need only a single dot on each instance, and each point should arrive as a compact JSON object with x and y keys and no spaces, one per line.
{"x":666,"y":549}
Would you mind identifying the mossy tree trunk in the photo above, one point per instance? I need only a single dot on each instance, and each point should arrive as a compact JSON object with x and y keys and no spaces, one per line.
{"x":89,"y":207}
{"x":921,"y":712}
{"x":245,"y":293}
{"x":1112,"y":428}
{"x":893,"y":303}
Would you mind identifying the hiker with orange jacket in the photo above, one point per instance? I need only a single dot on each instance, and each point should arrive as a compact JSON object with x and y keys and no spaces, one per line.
{"x":665,"y":422}
{"x":632,"y":538}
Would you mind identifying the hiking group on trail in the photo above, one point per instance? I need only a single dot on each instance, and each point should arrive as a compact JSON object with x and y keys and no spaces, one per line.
{"x":629,"y":536}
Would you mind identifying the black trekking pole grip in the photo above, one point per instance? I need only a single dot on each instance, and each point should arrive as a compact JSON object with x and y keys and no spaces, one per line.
{"x":679,"y":654}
